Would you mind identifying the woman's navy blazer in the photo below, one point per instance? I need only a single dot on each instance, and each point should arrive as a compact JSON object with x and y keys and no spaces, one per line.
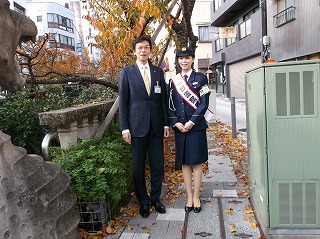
{"x":180,"y":111}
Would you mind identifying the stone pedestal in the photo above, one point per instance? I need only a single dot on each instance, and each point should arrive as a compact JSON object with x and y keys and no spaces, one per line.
{"x":68,"y":135}
{"x":83,"y":128}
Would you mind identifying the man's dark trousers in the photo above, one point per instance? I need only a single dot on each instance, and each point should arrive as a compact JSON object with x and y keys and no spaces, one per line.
{"x":154,"y":145}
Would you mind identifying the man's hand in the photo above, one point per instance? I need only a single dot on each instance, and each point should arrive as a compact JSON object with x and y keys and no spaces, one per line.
{"x":166,"y":132}
{"x":127,"y":137}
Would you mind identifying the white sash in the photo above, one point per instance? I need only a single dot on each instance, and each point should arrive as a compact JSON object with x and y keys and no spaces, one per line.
{"x":184,"y":90}
{"x":189,"y":96}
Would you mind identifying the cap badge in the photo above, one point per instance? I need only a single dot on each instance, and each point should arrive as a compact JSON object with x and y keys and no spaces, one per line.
{"x":183,"y":49}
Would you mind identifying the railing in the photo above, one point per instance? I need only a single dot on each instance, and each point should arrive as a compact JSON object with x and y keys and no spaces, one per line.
{"x":75,"y":123}
{"x":284,"y":16}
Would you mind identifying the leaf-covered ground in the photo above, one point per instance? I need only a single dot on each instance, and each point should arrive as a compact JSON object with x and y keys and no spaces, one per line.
{"x":224,"y":145}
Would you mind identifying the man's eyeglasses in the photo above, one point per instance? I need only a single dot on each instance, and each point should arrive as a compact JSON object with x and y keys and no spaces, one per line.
{"x":140,"y":48}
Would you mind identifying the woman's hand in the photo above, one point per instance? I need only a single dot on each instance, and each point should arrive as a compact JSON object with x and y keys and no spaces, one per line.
{"x":188,"y":125}
{"x":180,"y":127}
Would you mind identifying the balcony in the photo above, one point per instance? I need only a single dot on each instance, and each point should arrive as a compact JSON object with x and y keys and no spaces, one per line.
{"x":284,"y":17}
{"x":229,"y":11}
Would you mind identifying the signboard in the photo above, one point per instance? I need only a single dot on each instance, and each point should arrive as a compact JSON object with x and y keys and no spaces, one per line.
{"x":227,"y":32}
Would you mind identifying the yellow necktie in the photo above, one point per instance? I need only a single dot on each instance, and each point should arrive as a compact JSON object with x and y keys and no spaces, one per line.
{"x":146,"y":79}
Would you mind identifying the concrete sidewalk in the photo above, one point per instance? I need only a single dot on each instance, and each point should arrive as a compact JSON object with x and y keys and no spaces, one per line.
{"x":226,"y":210}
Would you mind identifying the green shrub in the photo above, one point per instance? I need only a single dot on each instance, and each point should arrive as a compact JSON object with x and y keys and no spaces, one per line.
{"x":94,"y":93}
{"x":98,"y":169}
{"x":19,"y":119}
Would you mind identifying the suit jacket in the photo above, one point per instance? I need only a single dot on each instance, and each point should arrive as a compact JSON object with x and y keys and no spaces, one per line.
{"x":180,"y":111}
{"x":137,"y":109}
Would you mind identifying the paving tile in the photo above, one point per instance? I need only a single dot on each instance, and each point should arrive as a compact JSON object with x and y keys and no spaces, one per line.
{"x":206,"y":223}
{"x":166,"y":236}
{"x":175,"y":228}
{"x":233,"y":186}
{"x":179,"y":203}
{"x":172,"y":214}
{"x":224,"y":193}
{"x":219,"y":170}
{"x":148,"y":223}
{"x":242,"y":226}
{"x":127,"y":235}
{"x":155,"y":230}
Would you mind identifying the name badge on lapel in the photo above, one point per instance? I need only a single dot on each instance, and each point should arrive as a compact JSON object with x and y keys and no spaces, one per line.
{"x":157,"y":88}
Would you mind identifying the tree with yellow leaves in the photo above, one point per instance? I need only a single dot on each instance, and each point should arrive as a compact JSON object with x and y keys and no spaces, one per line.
{"x":118,"y":23}
{"x":44,"y":63}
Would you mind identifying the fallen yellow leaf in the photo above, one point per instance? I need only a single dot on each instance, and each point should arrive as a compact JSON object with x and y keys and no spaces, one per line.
{"x":146,"y":229}
{"x":109,"y":230}
{"x":233,"y":228}
{"x":229,"y":212}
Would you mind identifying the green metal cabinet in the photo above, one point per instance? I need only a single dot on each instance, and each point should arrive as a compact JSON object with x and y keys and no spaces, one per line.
{"x":283,"y":125}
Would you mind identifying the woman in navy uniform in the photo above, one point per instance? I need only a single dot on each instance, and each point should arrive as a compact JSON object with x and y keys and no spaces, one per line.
{"x":188,"y":102}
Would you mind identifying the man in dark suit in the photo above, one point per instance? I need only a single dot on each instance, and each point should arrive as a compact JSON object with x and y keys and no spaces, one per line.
{"x":144,"y":122}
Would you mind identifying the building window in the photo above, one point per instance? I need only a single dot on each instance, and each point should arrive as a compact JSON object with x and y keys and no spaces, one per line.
{"x":62,"y":41}
{"x":19,"y":8}
{"x":233,"y":39}
{"x":217,"y":4}
{"x":203,"y":33}
{"x":245,"y":26}
{"x":219,"y":44}
{"x":60,"y":22}
{"x":284,"y":4}
{"x":79,"y":48}
{"x":286,"y":12}
{"x":39,"y":18}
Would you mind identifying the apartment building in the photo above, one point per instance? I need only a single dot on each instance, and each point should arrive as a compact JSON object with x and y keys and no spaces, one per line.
{"x":55,"y":19}
{"x":18,"y":5}
{"x":232,"y":57}
{"x":201,"y":20}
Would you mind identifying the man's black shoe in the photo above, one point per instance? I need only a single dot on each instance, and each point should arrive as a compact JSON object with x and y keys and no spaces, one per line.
{"x":159,"y":207}
{"x":144,"y":210}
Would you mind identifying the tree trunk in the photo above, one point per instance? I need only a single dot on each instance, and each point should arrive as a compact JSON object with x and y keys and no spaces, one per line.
{"x":183,"y":30}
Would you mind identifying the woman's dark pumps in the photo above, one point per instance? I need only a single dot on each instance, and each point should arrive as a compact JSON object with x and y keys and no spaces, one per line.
{"x":188,"y":209}
{"x":197,"y":209}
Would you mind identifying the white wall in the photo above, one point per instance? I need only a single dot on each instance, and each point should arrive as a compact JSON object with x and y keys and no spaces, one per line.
{"x":202,"y":15}
{"x":84,"y":28}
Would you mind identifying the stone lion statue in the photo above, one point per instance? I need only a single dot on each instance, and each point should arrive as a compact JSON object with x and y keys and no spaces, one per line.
{"x":15,"y":28}
{"x":35,"y":196}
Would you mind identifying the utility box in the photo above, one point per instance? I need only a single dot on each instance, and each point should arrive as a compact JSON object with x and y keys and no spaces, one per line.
{"x":283,"y":130}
